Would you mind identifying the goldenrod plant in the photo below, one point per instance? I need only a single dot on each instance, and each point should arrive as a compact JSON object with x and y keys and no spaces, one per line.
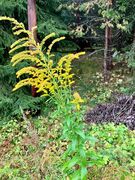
{"x":77,"y":100}
{"x":44,"y":74}
{"x":54,"y":79}
{"x":74,"y":159}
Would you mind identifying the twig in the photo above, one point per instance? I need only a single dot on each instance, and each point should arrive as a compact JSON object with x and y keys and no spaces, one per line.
{"x":124,"y":107}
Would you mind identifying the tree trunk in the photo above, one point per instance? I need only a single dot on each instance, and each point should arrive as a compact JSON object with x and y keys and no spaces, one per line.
{"x":108,"y":48}
{"x":32,"y":22}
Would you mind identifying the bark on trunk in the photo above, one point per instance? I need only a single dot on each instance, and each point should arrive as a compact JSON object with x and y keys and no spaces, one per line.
{"x":32,"y":22}
{"x":108,"y":49}
{"x":32,"y":18}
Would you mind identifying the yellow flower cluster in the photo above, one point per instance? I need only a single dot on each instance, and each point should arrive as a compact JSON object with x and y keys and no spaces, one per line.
{"x":77,"y":100}
{"x":46,"y":76}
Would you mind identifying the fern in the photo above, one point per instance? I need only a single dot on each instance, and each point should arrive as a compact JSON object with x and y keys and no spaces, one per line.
{"x":9,"y":104}
{"x":46,"y":76}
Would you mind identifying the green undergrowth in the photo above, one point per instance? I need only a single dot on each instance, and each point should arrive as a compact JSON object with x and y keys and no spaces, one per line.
{"x":32,"y":149}
{"x":90,"y":82}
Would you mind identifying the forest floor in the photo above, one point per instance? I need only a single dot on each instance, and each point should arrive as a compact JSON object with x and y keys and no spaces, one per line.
{"x":112,"y":103}
{"x":32,"y":149}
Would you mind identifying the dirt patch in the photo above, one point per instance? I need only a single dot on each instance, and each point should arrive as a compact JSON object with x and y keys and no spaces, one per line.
{"x":4,"y":149}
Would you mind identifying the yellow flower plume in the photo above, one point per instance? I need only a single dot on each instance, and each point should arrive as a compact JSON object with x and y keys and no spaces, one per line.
{"x":77,"y":100}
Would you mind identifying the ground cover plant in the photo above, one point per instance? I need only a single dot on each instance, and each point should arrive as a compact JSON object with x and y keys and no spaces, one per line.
{"x":79,"y":124}
{"x":110,"y":151}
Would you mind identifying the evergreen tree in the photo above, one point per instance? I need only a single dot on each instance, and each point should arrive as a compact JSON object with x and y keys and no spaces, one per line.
{"x":48,"y":21}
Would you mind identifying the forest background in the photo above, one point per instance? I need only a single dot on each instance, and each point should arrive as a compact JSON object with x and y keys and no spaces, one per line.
{"x":105,"y":30}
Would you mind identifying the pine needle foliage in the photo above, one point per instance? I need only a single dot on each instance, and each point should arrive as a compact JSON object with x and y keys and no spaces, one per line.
{"x":43,"y":73}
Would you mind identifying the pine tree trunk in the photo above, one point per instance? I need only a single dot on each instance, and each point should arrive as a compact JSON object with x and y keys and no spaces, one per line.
{"x":108,"y":49}
{"x":32,"y":22}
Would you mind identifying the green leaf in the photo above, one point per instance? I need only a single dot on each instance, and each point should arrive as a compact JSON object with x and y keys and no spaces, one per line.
{"x":92,"y":140}
{"x":84,"y":173}
{"x":82,"y":153}
{"x":75,"y":175}
{"x":71,"y":163}
{"x":68,"y":122}
{"x":74,"y":144}
{"x":91,"y":164}
{"x":81,"y":133}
